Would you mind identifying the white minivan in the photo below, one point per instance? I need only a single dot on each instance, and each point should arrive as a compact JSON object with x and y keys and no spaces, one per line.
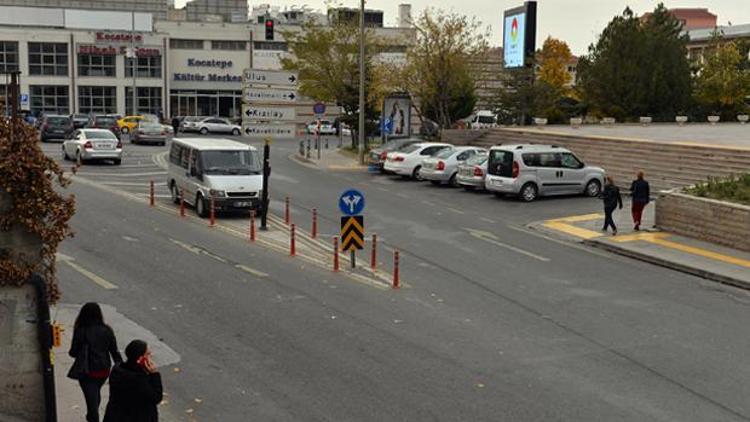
{"x":227,"y":171}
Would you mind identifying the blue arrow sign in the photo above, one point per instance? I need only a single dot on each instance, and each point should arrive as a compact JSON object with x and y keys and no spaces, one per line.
{"x":352,"y":202}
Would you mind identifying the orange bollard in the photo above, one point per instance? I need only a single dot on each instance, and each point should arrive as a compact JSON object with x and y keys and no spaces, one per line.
{"x":212,"y":213}
{"x":396,"y":276}
{"x":292,"y":243}
{"x":374,"y":253}
{"x":182,"y":203}
{"x":314,"y":232}
{"x":252,"y":226}
{"x":151,"y":199}
{"x":335,"y":254}
{"x":287,"y":215}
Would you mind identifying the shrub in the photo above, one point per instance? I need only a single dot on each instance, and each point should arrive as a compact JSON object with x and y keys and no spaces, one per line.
{"x":733,"y":189}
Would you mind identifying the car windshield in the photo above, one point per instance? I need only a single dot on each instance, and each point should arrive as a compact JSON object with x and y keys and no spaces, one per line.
{"x":96,"y":134}
{"x":477,"y":160}
{"x":230,"y":162}
{"x":408,"y":149}
{"x":58,"y":121}
{"x":445,"y":153}
{"x":80,"y":116}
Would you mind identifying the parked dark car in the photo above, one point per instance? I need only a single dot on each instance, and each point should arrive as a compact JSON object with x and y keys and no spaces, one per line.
{"x":105,"y":121}
{"x":378,"y":155}
{"x":79,"y":120}
{"x":55,"y":126}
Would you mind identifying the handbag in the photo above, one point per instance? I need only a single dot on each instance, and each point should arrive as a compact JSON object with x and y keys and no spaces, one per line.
{"x":82,"y":364}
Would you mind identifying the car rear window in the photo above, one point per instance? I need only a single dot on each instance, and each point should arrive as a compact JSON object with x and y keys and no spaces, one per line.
{"x":105,"y":120}
{"x":477,"y":160}
{"x":149,"y":125}
{"x":500,"y":163}
{"x":100,"y":135}
{"x":408,"y":149}
{"x":58,"y":121}
{"x":446,"y":153}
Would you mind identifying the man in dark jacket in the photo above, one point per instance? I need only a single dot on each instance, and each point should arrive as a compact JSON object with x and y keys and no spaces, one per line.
{"x":135,"y":387}
{"x":641,"y":196}
{"x":175,"y":125}
{"x":612,"y":199}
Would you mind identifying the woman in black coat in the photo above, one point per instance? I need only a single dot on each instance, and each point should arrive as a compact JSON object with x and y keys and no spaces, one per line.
{"x":93,"y":344}
{"x":612,"y":199}
{"x":134,"y":387}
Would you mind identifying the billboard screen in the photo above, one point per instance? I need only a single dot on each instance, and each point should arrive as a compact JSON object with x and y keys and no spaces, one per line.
{"x":396,"y":122}
{"x":514,"y":40}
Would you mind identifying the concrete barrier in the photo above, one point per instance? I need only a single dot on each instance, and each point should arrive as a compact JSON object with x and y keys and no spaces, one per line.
{"x":720,"y":222}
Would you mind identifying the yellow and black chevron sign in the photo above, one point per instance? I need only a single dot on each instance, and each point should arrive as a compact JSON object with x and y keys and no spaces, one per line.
{"x":352,"y":233}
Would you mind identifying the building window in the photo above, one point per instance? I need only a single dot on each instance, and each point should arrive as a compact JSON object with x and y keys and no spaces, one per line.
{"x":228,"y":45}
{"x":147,"y":67}
{"x":49,"y":99}
{"x":148,"y":100}
{"x":271,"y":46}
{"x":91,"y":65}
{"x":186,"y":44}
{"x":8,"y":56}
{"x":48,"y":59}
{"x":97,"y":99}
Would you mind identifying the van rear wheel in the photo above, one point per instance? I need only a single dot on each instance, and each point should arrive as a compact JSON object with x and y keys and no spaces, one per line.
{"x":528,"y":192}
{"x":200,"y":206}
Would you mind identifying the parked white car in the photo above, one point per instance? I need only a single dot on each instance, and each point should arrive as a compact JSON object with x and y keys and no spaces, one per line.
{"x":326,"y":128}
{"x":218,"y":125}
{"x":408,"y":160}
{"x":529,"y":171}
{"x":443,"y":167}
{"x":92,"y":144}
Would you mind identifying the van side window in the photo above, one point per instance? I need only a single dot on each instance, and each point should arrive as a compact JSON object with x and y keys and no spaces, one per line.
{"x":195,"y":162}
{"x":174,"y":154}
{"x":570,"y":161}
{"x":184,"y":157}
{"x":550,"y":159}
{"x":532,"y":160}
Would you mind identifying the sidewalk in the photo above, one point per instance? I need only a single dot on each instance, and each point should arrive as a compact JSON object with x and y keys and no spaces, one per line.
{"x":702,"y":259}
{"x":331,"y":158}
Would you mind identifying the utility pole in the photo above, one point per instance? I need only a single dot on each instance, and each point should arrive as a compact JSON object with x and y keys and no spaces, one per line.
{"x":361,"y":131}
{"x":133,"y":60}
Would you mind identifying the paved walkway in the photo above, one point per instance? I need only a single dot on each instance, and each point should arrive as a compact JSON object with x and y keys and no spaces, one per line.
{"x":680,"y":253}
{"x":699,"y":134}
{"x":331,"y":158}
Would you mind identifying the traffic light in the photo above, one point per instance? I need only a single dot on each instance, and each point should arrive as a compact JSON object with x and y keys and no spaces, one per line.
{"x":269,"y":29}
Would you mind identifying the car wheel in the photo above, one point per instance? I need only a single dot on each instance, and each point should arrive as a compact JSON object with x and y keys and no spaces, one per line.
{"x":453,"y":182}
{"x":593,"y":188}
{"x":204,"y":131}
{"x":236,"y":132}
{"x":200,"y":206}
{"x":175,"y":193}
{"x":528,"y":192}
{"x":417,"y":173}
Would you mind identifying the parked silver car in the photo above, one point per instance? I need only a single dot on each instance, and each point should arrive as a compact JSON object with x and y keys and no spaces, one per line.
{"x":471,"y":173}
{"x":149,"y":133}
{"x":529,"y":171}
{"x":443,"y":168}
{"x":218,"y":125}
{"x":92,"y":144}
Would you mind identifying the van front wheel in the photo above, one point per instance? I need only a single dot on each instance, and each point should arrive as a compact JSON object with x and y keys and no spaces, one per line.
{"x":200,"y":206}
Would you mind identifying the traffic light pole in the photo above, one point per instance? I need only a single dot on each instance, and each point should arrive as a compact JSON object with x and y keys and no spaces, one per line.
{"x":361,"y":131}
{"x":266,"y":176}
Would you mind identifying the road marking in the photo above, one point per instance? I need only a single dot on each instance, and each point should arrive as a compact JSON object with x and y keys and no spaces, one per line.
{"x":88,"y":274}
{"x":491,"y":238}
{"x":455,"y":210}
{"x":660,"y":239}
{"x":151,"y":173}
{"x":572,"y":230}
{"x":252,"y":271}
{"x":199,"y":251}
{"x":488,"y":220}
{"x":429,"y":204}
{"x":142,"y":184}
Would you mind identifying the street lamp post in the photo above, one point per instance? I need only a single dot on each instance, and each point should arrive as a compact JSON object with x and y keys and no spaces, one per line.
{"x":361,"y":131}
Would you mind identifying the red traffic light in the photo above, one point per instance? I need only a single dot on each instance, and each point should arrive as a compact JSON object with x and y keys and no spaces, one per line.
{"x":269,"y":24}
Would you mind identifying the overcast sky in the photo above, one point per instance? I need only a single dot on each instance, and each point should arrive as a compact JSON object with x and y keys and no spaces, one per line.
{"x":576,"y":21}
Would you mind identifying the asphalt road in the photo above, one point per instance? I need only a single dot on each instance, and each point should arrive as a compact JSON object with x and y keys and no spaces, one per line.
{"x":495,"y":322}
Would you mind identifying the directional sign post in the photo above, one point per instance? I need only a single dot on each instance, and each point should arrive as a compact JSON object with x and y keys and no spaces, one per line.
{"x":269,"y":95}
{"x":279,"y":114}
{"x":351,"y":204}
{"x":270,"y":77}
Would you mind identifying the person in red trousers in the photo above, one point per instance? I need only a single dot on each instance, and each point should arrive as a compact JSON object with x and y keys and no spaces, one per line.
{"x":641,"y":196}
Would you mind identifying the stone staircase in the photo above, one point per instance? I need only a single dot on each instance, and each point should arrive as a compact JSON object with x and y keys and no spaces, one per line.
{"x":666,"y":165}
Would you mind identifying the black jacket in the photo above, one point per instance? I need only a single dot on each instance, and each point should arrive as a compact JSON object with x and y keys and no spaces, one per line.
{"x":641,"y":191}
{"x":102,"y":344}
{"x":611,"y":196}
{"x":133,"y":395}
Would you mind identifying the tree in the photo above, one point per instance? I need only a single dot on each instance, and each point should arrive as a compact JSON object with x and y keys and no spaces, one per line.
{"x":327,"y":59}
{"x":553,"y":64}
{"x":723,"y":84}
{"x":439,"y":71}
{"x":638,"y":67}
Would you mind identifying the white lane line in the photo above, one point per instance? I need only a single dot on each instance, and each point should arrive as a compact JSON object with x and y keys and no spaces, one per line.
{"x":429,"y":204}
{"x":491,"y":238}
{"x":252,"y":271}
{"x":488,"y":220}
{"x":91,"y":276}
{"x":84,"y":173}
{"x":142,"y":184}
{"x":455,"y":210}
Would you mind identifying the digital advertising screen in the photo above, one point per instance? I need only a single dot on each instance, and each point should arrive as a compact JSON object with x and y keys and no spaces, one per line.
{"x":514,"y":40}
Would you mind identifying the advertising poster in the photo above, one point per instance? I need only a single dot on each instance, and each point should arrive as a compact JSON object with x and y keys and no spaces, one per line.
{"x":514,"y":40}
{"x":396,"y":121}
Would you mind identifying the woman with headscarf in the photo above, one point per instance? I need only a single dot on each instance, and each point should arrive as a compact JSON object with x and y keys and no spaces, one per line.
{"x":135,"y":388}
{"x":93,"y":344}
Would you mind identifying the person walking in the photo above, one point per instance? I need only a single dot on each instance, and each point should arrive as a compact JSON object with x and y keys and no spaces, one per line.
{"x":175,"y":125}
{"x":641,"y":196}
{"x":135,"y":387}
{"x":612,"y":199}
{"x":92,"y":345}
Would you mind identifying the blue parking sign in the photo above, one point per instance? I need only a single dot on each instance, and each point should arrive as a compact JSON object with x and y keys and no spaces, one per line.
{"x":352,"y":202}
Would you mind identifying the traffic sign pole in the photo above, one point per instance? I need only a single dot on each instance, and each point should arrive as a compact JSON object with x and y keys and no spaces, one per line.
{"x":353,"y":259}
{"x":266,"y":176}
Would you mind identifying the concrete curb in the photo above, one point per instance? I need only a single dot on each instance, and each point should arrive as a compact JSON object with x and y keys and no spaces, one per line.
{"x":708,"y":275}
{"x":305,"y":162}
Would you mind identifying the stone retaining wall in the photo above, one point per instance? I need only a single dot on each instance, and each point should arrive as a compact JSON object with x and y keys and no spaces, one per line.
{"x":461,"y":136}
{"x":710,"y":220}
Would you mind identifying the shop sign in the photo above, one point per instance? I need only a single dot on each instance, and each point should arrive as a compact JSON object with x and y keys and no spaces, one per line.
{"x":109,"y":50}
{"x":211,"y":77}
{"x":119,"y":37}
{"x":221,"y":64}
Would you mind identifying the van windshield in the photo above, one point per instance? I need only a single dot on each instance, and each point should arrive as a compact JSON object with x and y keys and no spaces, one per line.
{"x":486,"y":119}
{"x":230,"y":162}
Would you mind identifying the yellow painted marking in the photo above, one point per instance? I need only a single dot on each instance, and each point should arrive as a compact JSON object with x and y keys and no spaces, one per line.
{"x":91,"y":276}
{"x":660,"y":239}
{"x":252,"y":271}
{"x":578,"y":218}
{"x":572,"y":230}
{"x":648,"y":237}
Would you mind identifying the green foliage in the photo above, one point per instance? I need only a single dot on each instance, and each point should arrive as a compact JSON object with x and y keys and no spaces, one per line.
{"x":732,"y":189}
{"x":638,"y":68}
{"x":553,"y":63}
{"x":723,"y":83}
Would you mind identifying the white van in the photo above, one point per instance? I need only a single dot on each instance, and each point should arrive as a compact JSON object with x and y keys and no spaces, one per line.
{"x":227,"y":171}
{"x":483,"y":119}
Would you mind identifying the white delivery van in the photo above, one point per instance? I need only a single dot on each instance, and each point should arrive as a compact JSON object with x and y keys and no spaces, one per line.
{"x":229,"y":172}
{"x":483,"y":119}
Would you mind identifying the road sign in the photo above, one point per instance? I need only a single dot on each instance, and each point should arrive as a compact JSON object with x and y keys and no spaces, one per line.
{"x":270,"y":77}
{"x":352,"y":233}
{"x":352,"y":202}
{"x":269,"y":130}
{"x":24,"y":99}
{"x":319,"y":108}
{"x":253,"y":94}
{"x":278,"y":114}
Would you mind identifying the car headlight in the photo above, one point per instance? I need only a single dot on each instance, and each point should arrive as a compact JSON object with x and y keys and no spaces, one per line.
{"x":217,"y":193}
